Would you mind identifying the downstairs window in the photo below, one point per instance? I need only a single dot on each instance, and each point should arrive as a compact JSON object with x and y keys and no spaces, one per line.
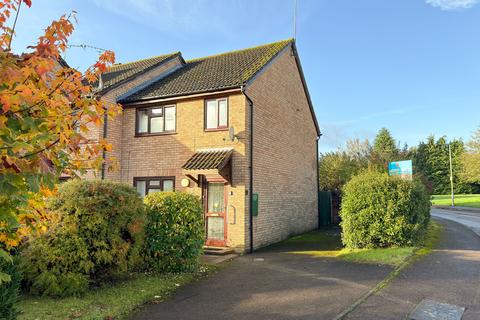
{"x":146,"y":185}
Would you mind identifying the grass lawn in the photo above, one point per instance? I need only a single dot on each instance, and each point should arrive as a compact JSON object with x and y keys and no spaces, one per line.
{"x":327,"y":243}
{"x":114,"y":301}
{"x":461,"y":200}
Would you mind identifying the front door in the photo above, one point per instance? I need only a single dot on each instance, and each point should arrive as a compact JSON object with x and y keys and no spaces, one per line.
{"x":215,"y":214}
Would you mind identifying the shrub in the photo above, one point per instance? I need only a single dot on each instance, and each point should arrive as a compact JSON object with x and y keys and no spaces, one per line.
{"x":381,"y":211}
{"x":174,"y":231}
{"x":97,"y":237}
{"x":9,"y":290}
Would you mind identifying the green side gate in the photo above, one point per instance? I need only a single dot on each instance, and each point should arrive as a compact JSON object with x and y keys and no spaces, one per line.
{"x":329,"y":208}
{"x":325,"y":208}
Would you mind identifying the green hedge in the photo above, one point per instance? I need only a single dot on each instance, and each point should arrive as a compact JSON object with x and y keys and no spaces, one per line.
{"x":9,"y":290}
{"x":98,"y":236}
{"x":174,"y":231}
{"x":382,"y":211}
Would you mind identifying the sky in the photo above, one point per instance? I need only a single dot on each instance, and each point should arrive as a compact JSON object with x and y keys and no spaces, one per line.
{"x":412,"y":66}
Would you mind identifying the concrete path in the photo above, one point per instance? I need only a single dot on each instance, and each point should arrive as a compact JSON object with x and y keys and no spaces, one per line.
{"x":450,"y":274}
{"x":271,"y":285}
{"x":470,"y":219}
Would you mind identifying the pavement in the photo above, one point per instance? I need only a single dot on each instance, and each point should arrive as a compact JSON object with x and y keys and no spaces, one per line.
{"x":271,"y":284}
{"x":450,"y":274}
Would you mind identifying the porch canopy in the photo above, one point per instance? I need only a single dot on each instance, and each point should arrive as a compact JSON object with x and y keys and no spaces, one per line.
{"x":209,"y":162}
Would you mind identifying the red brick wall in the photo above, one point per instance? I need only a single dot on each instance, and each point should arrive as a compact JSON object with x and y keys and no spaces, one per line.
{"x":284,"y":153}
{"x":115,"y":126}
{"x":164,"y":155}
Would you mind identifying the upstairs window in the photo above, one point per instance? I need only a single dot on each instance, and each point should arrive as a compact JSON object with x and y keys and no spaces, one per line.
{"x":148,"y":185}
{"x":216,"y":114}
{"x":156,"y":120}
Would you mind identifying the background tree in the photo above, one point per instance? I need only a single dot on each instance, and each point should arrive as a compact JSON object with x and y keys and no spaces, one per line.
{"x":385,"y":147}
{"x":45,"y":111}
{"x":336,"y":169}
{"x":470,"y":160}
{"x":431,"y":160}
{"x":360,"y":150}
{"x":405,"y":153}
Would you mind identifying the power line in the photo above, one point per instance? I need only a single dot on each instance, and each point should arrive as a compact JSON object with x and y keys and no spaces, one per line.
{"x":86,"y":46}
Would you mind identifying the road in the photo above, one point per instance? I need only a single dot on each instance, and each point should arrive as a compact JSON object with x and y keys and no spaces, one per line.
{"x":468,"y":219}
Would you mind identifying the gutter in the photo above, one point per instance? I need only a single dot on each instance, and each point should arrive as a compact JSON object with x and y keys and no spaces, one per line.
{"x":318,"y":183}
{"x":178,"y":97}
{"x":250,"y":169}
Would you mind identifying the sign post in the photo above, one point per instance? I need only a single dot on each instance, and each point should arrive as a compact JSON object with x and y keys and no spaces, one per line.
{"x":451,"y":175}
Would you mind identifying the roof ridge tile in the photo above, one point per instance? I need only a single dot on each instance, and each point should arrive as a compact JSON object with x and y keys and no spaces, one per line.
{"x":142,"y":60}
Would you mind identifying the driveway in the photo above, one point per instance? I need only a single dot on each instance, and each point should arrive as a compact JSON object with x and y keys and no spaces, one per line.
{"x":272,"y":284}
{"x":276,"y":284}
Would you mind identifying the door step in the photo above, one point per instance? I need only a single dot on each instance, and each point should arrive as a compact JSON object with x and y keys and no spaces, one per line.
{"x":217,"y":251}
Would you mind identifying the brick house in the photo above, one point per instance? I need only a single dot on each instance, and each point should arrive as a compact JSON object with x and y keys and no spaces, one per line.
{"x":238,"y":129}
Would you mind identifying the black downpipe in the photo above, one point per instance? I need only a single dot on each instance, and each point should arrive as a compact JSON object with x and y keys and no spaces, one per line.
{"x":318,"y":185}
{"x":104,"y":152}
{"x":250,"y":168}
{"x":251,"y":176}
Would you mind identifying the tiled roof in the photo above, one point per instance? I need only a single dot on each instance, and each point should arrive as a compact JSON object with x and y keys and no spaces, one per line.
{"x":208,"y":159}
{"x":227,"y":70}
{"x":123,"y":71}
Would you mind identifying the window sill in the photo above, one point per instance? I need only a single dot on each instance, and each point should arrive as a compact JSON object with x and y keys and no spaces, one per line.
{"x":139,"y":135}
{"x":216,"y":129}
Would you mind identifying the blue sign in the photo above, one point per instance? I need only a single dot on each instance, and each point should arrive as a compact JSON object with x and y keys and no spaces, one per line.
{"x":401,"y":168}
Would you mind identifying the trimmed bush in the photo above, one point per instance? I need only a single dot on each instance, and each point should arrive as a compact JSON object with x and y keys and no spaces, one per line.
{"x":174,"y":231}
{"x":383,"y":211}
{"x":97,"y":236}
{"x":9,"y":291}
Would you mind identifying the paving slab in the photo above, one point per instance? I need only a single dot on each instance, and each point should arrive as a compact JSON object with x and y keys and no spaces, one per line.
{"x":450,"y":275}
{"x":434,"y":310}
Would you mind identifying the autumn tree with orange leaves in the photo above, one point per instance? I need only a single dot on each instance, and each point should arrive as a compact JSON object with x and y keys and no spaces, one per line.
{"x":45,"y":111}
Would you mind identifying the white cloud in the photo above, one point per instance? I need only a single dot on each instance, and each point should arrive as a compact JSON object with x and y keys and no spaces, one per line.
{"x":452,"y":5}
